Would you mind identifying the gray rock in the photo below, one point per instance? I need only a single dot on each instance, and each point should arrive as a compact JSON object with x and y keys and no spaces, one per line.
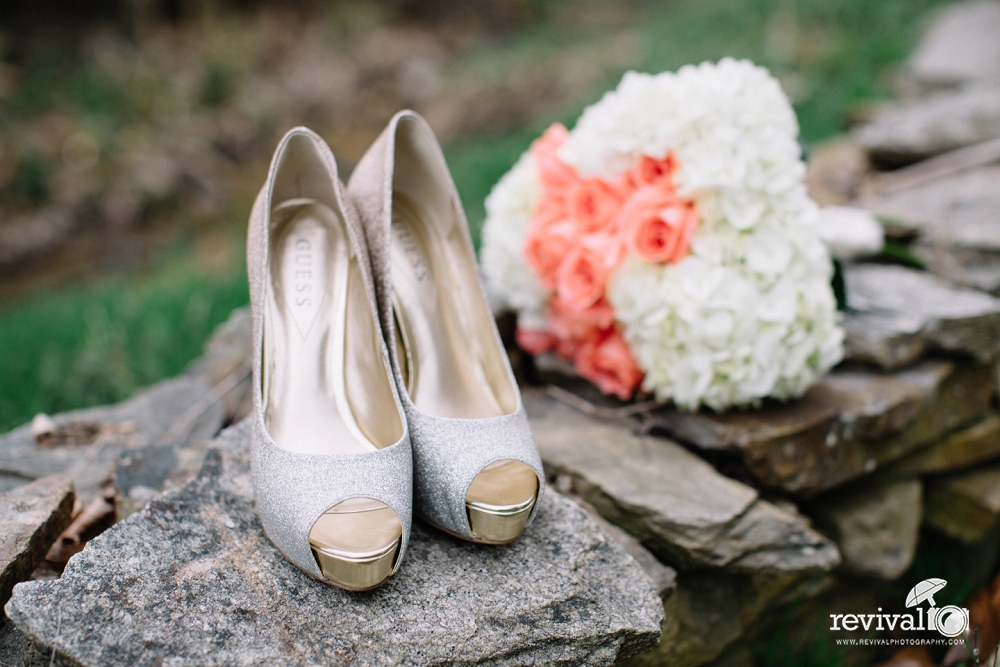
{"x":956,"y":219}
{"x":959,"y":46}
{"x":663,"y":576}
{"x":16,"y":650}
{"x":965,"y":506}
{"x":31,"y":518}
{"x":968,"y":447}
{"x":225,"y":364}
{"x":850,"y":424}
{"x":717,"y":608}
{"x":675,"y":503}
{"x":912,"y":130}
{"x":192,"y":578}
{"x":875,"y":526}
{"x":896,"y":315}
{"x":156,"y":426}
{"x":712,"y":609}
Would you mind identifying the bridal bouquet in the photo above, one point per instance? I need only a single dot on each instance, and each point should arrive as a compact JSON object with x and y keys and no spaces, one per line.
{"x":667,"y":242}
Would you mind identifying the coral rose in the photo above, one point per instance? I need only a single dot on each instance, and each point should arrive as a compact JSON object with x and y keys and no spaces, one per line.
{"x":606,"y":360}
{"x":534,"y":341}
{"x":594,"y":204}
{"x":546,"y":246}
{"x":651,"y":171}
{"x":580,"y":278}
{"x":608,"y":246}
{"x":571,"y":327}
{"x":555,"y":176}
{"x":658,"y":225}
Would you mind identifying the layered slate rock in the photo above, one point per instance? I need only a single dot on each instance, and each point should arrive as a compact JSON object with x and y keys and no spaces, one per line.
{"x":960,"y":46}
{"x":977,"y":444}
{"x":965,"y":506}
{"x":876,"y":526}
{"x":161,"y":431}
{"x":848,"y":425}
{"x":956,"y":219}
{"x":675,"y":503}
{"x":192,"y":578}
{"x":896,"y":315}
{"x":711,"y":610}
{"x":31,"y":518}
{"x":912,"y":130}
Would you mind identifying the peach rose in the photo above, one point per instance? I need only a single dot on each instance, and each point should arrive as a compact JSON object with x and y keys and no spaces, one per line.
{"x":548,"y":210}
{"x":606,"y":360}
{"x":546,"y":245}
{"x":651,"y":171}
{"x":658,"y":225}
{"x":555,"y":176}
{"x":534,"y":341}
{"x":594,"y":203}
{"x":608,"y":246}
{"x":580,"y":278}
{"x":571,"y":327}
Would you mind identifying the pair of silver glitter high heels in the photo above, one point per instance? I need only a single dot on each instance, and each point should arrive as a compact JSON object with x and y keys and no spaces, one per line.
{"x":380,"y":383}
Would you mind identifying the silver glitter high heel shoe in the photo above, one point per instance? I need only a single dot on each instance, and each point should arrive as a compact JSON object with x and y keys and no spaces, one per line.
{"x":477,"y":473}
{"x":332,"y":466}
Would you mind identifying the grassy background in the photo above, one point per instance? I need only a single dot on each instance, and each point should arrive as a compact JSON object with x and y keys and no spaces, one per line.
{"x":92,"y":343}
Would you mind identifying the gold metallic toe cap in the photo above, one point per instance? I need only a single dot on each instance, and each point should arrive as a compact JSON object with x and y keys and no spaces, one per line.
{"x":500,"y":500}
{"x":356,"y":544}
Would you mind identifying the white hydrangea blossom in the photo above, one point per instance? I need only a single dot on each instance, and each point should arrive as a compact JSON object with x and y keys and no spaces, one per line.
{"x":749,"y":314}
{"x":509,"y":280}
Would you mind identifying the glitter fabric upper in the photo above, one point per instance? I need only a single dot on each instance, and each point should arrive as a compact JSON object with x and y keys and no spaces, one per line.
{"x":447,"y":453}
{"x":293,"y":490}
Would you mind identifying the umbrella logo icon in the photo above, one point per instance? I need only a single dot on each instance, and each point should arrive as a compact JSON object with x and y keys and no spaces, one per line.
{"x":950,"y":621}
{"x":924,"y":592}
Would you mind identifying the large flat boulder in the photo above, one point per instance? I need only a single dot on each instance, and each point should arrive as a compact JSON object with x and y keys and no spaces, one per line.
{"x":675,"y":503}
{"x":850,"y":424}
{"x":897,"y":315}
{"x":957,"y":219}
{"x":911,"y":130}
{"x":192,"y":579}
{"x":959,"y":46}
{"x":31,"y":518}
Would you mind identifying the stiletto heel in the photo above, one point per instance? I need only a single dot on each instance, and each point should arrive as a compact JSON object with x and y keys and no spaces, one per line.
{"x":477,"y":473}
{"x":331,"y":459}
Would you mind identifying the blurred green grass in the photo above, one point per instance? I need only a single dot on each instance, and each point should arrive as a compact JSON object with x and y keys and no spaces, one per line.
{"x":94,"y":343}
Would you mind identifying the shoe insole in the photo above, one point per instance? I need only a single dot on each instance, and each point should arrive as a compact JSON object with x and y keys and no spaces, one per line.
{"x":305,"y":335}
{"x":443,"y":374}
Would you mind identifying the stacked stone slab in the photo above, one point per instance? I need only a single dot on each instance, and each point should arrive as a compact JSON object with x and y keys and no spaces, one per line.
{"x":936,"y":446}
{"x":950,"y":205}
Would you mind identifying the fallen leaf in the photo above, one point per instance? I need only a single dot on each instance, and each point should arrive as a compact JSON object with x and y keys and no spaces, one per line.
{"x":91,"y":521}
